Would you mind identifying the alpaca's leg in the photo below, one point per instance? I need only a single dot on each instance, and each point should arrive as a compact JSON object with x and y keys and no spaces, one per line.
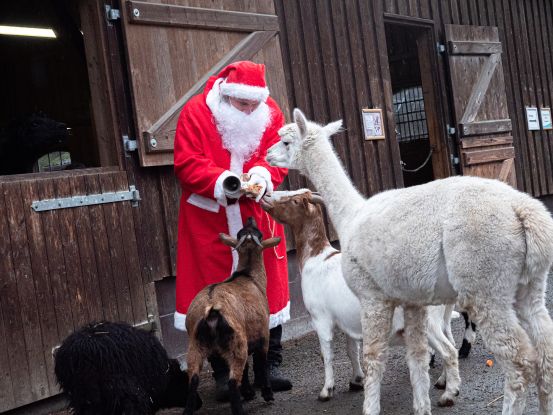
{"x":537,"y":322}
{"x":356,"y":382}
{"x":449,"y":379}
{"x":194,"y":360}
{"x":417,"y":357}
{"x":507,"y":340}
{"x":376,"y":320}
{"x":325,"y":333}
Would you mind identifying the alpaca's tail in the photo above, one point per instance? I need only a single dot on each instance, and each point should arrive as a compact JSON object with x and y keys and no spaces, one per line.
{"x":537,"y":225}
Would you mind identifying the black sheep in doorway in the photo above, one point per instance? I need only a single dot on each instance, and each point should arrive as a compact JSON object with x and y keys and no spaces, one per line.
{"x":23,"y":141}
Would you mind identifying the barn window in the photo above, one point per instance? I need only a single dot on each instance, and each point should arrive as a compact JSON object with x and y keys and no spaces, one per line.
{"x":46,"y":116}
{"x":410,"y":115}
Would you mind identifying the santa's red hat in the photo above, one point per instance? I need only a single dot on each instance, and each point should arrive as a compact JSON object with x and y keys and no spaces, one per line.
{"x":244,"y":80}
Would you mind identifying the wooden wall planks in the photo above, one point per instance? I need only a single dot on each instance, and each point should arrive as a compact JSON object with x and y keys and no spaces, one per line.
{"x":335,"y":41}
{"x":59,"y":270}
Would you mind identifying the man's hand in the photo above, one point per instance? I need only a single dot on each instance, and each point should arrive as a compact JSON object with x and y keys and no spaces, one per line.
{"x":255,"y":187}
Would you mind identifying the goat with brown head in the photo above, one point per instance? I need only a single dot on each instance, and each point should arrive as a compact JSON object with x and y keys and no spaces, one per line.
{"x":231,"y":319}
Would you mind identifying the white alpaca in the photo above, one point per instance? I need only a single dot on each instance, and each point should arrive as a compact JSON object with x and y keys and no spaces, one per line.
{"x":475,"y":241}
{"x":332,"y":304}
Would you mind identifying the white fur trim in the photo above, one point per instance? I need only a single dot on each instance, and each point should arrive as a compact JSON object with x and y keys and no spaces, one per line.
{"x":203,"y":202}
{"x":213,"y":97}
{"x":218,"y":192}
{"x":263,"y":172}
{"x":280,"y":317}
{"x":234,"y":220}
{"x":244,"y":91}
{"x":180,"y":321}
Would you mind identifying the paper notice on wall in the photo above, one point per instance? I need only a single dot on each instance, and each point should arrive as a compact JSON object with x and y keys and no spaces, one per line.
{"x":532,"y":118}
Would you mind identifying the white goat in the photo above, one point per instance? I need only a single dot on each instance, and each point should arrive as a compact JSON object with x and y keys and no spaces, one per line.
{"x":331,"y":303}
{"x":475,"y":241}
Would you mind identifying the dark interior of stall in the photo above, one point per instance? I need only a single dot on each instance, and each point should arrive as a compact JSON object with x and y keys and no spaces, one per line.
{"x":45,"y":111}
{"x":408,"y":104}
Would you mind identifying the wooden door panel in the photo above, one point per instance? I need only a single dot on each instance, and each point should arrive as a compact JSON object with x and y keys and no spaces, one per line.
{"x":480,"y":103}
{"x":173,"y":49}
{"x":60,"y":269}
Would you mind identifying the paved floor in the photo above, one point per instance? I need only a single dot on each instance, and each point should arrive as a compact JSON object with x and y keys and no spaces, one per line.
{"x":481,"y":390}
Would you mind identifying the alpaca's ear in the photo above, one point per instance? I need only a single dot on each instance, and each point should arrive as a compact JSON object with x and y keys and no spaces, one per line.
{"x":300,"y":121}
{"x":333,"y":127}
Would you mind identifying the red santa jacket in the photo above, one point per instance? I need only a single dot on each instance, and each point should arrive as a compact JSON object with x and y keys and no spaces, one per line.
{"x":201,"y":163}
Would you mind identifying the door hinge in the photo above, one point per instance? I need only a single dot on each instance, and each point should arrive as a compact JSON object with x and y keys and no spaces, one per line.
{"x":450,"y":130}
{"x":111,"y":13}
{"x":132,"y":195}
{"x":129,"y":144}
{"x":440,"y":48}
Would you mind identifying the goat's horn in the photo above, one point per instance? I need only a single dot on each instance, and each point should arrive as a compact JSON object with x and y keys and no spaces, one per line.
{"x":317,"y":199}
{"x":240,"y":242}
{"x":256,"y":240}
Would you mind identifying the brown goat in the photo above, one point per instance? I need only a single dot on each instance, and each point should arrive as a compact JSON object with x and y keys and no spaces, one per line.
{"x":231,"y":319}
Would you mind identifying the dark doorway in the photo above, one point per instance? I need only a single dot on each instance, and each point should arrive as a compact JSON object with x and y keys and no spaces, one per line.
{"x":46,"y":114}
{"x":414,"y":103}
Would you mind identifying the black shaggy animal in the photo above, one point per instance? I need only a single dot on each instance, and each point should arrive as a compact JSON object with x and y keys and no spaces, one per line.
{"x":23,"y":141}
{"x":112,"y":368}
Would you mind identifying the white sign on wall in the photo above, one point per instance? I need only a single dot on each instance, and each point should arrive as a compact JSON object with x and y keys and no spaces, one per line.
{"x":532,"y":118}
{"x":546,"y":118}
{"x":373,"y":124}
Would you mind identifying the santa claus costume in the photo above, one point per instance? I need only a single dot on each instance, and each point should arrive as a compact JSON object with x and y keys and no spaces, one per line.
{"x":213,"y":141}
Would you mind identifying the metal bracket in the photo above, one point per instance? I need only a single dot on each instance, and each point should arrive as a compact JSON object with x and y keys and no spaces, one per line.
{"x":454,"y":160}
{"x":111,"y":13}
{"x":440,"y":47}
{"x":450,"y":130}
{"x":129,"y":144}
{"x":133,"y":195}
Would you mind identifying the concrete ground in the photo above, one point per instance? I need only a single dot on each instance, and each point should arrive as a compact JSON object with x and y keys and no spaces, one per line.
{"x":481,"y":390}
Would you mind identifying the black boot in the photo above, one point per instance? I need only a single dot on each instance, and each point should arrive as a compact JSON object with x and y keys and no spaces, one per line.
{"x":274,"y":358}
{"x":221,"y":376}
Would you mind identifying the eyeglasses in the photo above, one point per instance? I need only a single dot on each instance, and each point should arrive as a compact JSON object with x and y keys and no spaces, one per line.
{"x":245,"y":105}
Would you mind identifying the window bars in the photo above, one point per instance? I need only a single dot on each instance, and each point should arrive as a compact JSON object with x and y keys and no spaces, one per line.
{"x":410,"y":115}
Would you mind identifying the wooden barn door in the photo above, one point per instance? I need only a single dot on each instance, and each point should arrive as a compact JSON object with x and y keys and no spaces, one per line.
{"x":481,"y":113}
{"x":172,"y":50}
{"x":68,"y":256}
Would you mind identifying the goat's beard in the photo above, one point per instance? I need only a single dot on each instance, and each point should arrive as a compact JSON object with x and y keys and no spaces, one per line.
{"x":240,"y":132}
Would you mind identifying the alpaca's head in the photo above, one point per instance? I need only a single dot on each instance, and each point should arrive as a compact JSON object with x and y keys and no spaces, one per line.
{"x":295,"y":140}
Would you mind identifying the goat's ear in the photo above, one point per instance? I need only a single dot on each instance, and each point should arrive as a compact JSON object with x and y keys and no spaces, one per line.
{"x":228,"y":240}
{"x":300,"y":121}
{"x":269,"y":243}
{"x":333,"y":127}
{"x":316,"y":199}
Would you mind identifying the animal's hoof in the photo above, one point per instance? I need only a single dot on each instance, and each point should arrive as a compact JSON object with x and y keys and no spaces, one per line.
{"x":326,"y":394}
{"x":248,"y":394}
{"x":267,"y":394}
{"x":439,"y":385}
{"x":464,"y":351}
{"x":354,"y":387}
{"x":445,"y":402}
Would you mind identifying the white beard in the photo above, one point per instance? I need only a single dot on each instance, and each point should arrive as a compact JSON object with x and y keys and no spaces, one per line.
{"x":241,"y":133}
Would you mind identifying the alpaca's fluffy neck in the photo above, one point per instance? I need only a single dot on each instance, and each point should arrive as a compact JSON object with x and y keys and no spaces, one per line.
{"x":328,"y":176}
